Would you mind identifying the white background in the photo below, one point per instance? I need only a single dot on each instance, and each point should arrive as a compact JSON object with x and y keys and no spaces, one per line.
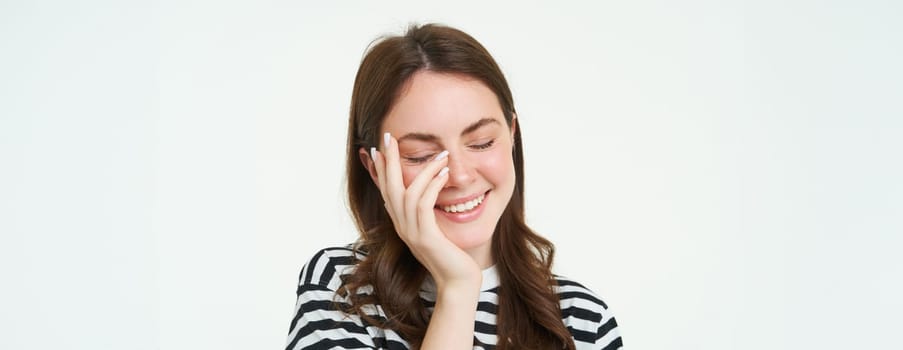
{"x":725,"y":174}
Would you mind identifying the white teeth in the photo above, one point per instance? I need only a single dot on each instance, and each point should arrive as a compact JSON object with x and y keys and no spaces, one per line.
{"x":462,"y":207}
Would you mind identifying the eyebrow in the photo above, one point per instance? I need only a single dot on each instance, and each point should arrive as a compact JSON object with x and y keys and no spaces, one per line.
{"x":419,"y":136}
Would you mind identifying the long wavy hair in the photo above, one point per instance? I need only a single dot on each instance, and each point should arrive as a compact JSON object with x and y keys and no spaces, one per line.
{"x":528,"y":315}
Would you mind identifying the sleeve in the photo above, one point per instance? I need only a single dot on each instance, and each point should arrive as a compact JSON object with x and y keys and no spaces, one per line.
{"x":588,"y":318}
{"x":607,"y":335}
{"x":318,"y":322}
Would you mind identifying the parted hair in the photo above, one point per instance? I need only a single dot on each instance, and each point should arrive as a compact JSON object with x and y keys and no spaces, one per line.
{"x":528,"y":315}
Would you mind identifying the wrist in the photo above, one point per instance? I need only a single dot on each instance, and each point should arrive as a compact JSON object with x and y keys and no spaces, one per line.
{"x":459,"y":291}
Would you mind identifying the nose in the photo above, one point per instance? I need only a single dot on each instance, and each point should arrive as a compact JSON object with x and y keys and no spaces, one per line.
{"x":460,"y":170}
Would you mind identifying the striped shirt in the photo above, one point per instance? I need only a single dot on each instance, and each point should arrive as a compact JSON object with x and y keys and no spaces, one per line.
{"x":319,"y":325}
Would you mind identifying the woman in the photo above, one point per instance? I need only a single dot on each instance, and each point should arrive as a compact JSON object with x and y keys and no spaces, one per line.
{"x":436,"y":188}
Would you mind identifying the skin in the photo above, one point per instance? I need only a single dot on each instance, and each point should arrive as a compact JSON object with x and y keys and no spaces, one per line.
{"x":435,"y":113}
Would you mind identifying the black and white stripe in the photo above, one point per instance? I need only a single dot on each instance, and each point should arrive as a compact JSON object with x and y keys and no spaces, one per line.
{"x":318,"y":324}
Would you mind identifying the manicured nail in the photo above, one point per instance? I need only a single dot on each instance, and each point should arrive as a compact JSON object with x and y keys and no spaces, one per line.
{"x":386,"y":139}
{"x":373,"y":153}
{"x":443,"y":171}
{"x":441,"y":155}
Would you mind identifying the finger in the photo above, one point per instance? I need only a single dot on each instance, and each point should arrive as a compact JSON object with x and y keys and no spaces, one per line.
{"x":425,"y":208}
{"x":394,"y":183}
{"x":379,"y":164}
{"x":414,"y":192}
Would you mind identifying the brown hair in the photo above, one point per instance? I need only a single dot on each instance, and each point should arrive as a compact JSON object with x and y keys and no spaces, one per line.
{"x":528,"y":314}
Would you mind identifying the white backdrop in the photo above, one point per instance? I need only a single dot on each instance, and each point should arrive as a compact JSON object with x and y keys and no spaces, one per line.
{"x":725,"y":174}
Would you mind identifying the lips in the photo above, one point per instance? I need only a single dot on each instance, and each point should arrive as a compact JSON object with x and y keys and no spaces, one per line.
{"x":464,"y":210}
{"x":464,"y":207}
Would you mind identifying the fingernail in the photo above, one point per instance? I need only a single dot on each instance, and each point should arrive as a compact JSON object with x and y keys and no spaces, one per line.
{"x":373,"y":153}
{"x":386,"y":139}
{"x":443,"y":171}
{"x":441,"y":155}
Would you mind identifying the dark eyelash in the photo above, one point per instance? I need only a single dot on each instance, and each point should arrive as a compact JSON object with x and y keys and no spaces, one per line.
{"x":419,"y":159}
{"x":423,"y":159}
{"x":484,"y":145}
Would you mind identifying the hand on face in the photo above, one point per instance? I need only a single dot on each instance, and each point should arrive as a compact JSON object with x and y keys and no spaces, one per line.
{"x":412,"y":213}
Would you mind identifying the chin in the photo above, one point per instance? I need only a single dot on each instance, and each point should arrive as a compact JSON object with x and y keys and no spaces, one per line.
{"x":470,"y":239}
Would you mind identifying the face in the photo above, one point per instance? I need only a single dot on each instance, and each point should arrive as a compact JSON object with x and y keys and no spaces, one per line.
{"x":437,"y":112}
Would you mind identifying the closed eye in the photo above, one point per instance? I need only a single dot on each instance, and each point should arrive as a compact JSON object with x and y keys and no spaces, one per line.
{"x":483,"y":146}
{"x":418,"y":160}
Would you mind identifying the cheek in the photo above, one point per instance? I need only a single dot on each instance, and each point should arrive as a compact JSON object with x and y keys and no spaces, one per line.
{"x":498,"y":166}
{"x":409,"y":173}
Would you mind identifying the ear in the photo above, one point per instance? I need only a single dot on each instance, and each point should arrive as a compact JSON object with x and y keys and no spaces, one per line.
{"x":364,"y":154}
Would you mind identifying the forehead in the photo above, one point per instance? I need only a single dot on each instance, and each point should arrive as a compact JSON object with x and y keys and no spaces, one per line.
{"x":440,"y":104}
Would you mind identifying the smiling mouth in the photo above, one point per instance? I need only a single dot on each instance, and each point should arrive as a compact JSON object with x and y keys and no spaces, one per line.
{"x":463,"y":207}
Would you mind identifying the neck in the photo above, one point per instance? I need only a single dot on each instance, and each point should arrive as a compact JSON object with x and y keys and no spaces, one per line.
{"x":482,"y":255}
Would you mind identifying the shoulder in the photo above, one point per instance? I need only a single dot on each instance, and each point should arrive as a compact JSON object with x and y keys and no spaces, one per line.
{"x":585,"y":314}
{"x":572,"y":292}
{"x":327,"y":265}
{"x":320,"y":321}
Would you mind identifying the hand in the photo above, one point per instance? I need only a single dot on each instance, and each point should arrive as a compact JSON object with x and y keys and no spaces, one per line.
{"x":411,"y":210}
